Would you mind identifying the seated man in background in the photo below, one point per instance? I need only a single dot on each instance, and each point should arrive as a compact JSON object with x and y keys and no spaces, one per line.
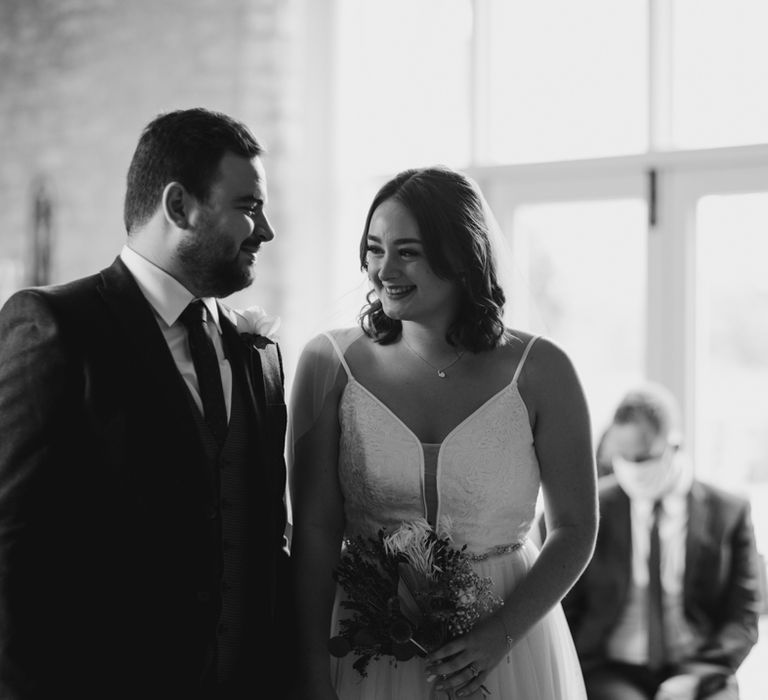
{"x":667,"y":617}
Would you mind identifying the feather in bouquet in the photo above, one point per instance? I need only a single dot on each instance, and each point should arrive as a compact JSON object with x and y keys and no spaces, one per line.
{"x":408,"y":592}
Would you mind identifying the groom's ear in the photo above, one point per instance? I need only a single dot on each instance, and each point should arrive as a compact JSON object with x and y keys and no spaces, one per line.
{"x":176,"y":203}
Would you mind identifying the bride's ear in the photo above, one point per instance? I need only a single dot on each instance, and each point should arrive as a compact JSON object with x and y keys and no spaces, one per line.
{"x":176,"y":203}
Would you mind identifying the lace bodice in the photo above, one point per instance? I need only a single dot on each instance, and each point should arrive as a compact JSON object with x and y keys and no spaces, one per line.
{"x":487,"y":471}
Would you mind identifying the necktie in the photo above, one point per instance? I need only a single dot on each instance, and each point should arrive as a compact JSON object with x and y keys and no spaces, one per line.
{"x":207,"y":369}
{"x":657,"y":651}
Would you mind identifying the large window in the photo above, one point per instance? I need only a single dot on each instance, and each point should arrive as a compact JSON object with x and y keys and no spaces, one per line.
{"x":513,"y":81}
{"x":732,"y":347}
{"x":584,"y":283}
{"x":622,"y":149}
{"x":732,"y":247}
{"x":404,"y":83}
{"x":565,"y":79}
{"x":719,"y":61}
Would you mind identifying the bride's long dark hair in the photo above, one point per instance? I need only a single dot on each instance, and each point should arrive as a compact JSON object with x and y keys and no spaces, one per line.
{"x":449,"y":213}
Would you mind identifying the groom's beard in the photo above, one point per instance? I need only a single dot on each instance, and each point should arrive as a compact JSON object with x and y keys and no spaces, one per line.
{"x":210,"y":258}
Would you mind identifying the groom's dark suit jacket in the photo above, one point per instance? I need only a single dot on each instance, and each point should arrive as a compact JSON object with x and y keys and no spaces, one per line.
{"x":721,"y":589}
{"x":110,"y":553}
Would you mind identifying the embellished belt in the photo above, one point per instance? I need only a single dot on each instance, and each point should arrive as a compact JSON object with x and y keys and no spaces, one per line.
{"x":496,"y":551}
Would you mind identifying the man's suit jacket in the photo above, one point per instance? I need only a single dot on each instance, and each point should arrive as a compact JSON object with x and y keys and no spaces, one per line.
{"x":107,"y":537}
{"x":720,"y":588}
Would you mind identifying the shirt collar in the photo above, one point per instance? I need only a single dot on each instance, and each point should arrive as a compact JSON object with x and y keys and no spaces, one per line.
{"x":167,"y":296}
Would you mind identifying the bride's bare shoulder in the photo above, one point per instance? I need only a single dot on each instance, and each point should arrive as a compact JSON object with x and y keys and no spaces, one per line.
{"x":326,"y":340}
{"x":546,"y":362}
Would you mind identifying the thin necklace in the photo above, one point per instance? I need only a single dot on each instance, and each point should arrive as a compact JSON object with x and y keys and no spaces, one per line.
{"x":440,"y":372}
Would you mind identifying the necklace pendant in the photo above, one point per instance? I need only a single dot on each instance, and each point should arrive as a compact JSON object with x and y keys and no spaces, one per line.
{"x":440,"y":372}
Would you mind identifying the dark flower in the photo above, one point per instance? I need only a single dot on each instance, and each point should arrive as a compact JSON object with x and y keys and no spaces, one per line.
{"x":339,"y":646}
{"x":401,"y":631}
{"x":403,"y":652}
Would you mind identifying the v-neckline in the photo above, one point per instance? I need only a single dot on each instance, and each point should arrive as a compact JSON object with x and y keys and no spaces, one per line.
{"x":351,"y":380}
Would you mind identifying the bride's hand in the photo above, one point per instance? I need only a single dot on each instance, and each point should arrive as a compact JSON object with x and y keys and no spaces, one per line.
{"x":464,"y":662}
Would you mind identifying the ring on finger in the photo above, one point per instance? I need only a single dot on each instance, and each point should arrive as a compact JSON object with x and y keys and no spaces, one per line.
{"x":475,"y":670}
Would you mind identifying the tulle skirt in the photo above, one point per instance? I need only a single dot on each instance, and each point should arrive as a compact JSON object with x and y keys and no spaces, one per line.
{"x":542,"y":666}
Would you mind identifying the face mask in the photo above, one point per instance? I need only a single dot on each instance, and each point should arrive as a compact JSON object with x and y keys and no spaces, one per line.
{"x":650,"y":479}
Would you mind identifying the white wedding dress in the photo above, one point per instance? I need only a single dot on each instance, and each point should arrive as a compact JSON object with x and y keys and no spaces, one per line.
{"x":487,"y":484}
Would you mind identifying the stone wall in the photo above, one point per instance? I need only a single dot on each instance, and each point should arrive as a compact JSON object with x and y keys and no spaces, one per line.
{"x":78,"y":81}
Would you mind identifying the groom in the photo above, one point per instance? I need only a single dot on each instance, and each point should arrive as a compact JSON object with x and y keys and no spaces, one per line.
{"x":142,"y":512}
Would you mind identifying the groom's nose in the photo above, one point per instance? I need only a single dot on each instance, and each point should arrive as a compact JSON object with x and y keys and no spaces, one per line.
{"x":263,"y":229}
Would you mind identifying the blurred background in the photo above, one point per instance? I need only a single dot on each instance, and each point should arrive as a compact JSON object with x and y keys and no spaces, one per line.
{"x":623,"y":147}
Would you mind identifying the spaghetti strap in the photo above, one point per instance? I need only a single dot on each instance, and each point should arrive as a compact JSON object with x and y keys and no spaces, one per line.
{"x":339,"y":354}
{"x":523,"y":358}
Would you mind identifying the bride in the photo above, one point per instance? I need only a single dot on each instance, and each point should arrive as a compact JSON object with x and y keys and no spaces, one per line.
{"x":432,"y":408}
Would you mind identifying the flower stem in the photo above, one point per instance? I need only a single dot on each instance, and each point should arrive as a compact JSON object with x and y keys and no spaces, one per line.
{"x":418,"y":646}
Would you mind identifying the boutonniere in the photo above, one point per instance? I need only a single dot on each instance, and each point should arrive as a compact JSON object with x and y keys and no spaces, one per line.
{"x":254,"y":321}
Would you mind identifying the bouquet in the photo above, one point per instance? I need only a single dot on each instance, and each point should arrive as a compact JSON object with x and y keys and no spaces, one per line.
{"x":409,"y":592}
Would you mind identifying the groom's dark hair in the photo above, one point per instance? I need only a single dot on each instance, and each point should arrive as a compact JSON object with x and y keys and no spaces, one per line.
{"x":185,"y":146}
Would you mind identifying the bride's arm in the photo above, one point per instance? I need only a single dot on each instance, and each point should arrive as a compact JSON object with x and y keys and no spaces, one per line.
{"x":318,"y":516}
{"x":563,"y":442}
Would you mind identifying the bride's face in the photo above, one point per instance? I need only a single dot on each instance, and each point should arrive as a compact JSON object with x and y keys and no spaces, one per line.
{"x":398,"y":268}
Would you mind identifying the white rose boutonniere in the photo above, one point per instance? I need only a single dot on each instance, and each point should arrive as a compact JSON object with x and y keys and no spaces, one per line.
{"x":256,"y":321}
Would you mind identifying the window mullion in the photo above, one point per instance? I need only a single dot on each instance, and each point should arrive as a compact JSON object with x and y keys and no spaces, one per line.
{"x":479,"y":76}
{"x":660,"y":75}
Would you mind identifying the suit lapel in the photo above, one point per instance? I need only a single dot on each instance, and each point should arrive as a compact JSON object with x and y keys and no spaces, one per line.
{"x":261,"y":361}
{"x":154,"y":362}
{"x":622,"y":537}
{"x":239,"y":352}
{"x":697,"y":535}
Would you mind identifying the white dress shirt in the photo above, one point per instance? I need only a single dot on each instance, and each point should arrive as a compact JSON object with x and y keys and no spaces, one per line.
{"x":629,"y":640}
{"x":168,"y":298}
